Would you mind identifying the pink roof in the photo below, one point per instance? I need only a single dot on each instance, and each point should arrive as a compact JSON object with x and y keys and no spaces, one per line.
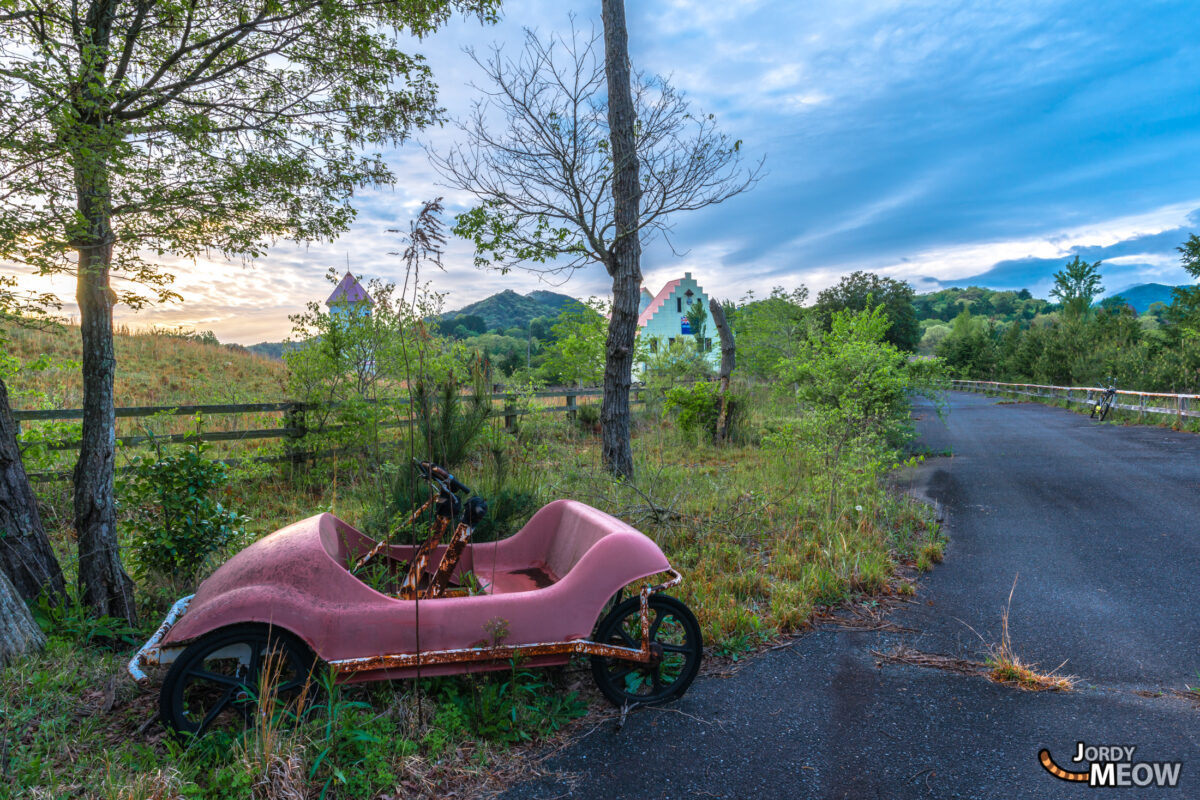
{"x":349,"y":291}
{"x":658,"y":301}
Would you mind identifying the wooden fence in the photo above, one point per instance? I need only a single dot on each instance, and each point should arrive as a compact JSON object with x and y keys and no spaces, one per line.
{"x":294,"y":425}
{"x":1180,"y":406}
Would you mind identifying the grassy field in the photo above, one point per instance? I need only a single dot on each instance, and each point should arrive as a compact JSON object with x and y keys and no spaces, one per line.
{"x":767,"y":534}
{"x":153,"y":369}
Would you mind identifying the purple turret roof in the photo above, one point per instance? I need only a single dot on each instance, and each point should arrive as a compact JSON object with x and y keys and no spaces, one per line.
{"x":349,"y":291}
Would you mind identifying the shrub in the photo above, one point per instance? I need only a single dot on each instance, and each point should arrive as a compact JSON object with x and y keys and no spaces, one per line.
{"x":588,"y":416}
{"x":508,"y":510}
{"x":176,"y":519}
{"x":698,"y":406}
{"x":449,"y":421}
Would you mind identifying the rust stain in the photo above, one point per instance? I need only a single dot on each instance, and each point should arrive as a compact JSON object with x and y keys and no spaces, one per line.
{"x":646,"y":653}
{"x":454,"y":551}
{"x":481,"y":654}
{"x":416,"y":570}
{"x":382,"y":543}
{"x":538,"y":576}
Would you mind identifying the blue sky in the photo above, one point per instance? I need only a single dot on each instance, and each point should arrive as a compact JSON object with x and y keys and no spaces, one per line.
{"x":945,"y":143}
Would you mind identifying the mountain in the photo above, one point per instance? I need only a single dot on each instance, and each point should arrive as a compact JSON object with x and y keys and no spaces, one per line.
{"x":1142,"y":296}
{"x":271,"y":349}
{"x":511,"y":310}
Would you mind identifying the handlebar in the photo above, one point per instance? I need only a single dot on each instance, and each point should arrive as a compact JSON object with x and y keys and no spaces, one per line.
{"x":440,"y":475}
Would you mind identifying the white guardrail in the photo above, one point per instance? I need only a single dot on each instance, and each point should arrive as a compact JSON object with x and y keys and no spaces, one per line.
{"x":1175,"y":405}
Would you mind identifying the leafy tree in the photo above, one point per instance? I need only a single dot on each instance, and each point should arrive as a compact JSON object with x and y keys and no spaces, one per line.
{"x":472,"y":322}
{"x":506,"y":353}
{"x":697,"y":317}
{"x":177,"y":520}
{"x":862,"y":291}
{"x":187,"y":126}
{"x":576,"y":354}
{"x":1076,"y":286}
{"x":1184,"y":310}
{"x":854,"y":388}
{"x":970,"y":347}
{"x":853,"y":371}
{"x":770,"y":329}
{"x":1116,"y":304}
{"x":932,"y":338}
{"x":539,"y":328}
{"x":589,"y":163}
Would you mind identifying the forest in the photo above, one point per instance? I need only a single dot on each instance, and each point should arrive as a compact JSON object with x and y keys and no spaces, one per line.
{"x":1076,"y":341}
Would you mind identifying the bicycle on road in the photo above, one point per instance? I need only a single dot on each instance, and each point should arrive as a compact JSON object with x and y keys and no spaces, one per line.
{"x":1104,"y":403}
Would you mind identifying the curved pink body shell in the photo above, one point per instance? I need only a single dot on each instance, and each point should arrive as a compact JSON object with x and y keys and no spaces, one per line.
{"x":548,"y":582}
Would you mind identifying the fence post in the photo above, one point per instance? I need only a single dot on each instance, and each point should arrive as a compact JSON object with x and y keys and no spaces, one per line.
{"x":294,"y":419}
{"x":1141,"y":407}
{"x":1183,"y":408}
{"x":571,"y":414}
{"x":510,"y":413}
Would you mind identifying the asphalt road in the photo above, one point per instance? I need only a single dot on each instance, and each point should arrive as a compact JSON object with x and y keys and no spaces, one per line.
{"x":1102,"y":525}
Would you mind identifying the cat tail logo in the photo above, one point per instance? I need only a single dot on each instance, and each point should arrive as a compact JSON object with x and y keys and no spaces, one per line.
{"x":1113,"y":765}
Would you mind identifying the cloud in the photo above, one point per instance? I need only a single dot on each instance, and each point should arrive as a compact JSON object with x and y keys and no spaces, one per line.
{"x":932,"y":140}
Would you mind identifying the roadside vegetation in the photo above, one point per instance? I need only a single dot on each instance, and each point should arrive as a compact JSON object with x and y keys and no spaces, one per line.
{"x":767,"y":491}
{"x":1011,"y":336}
{"x":787,"y":517}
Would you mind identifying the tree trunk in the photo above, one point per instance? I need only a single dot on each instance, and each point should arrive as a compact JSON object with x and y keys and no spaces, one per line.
{"x":103,"y":584}
{"x":728,"y":362}
{"x":26,"y":556}
{"x":624,"y":257}
{"x":18,"y":632}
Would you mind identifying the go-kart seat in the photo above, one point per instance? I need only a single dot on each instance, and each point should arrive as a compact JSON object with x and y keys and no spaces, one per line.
{"x":546,"y":549}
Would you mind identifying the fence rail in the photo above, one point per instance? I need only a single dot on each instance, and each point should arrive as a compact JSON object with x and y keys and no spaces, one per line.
{"x":293,"y":428}
{"x":1180,"y":406}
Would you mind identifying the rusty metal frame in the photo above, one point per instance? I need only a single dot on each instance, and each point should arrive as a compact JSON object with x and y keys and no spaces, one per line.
{"x":150,"y":654}
{"x":411,"y":587}
{"x":500,"y":653}
{"x":384,"y":542}
{"x":454,"y":550}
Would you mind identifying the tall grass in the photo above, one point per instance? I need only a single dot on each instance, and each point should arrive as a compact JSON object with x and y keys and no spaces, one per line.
{"x":767,"y":531}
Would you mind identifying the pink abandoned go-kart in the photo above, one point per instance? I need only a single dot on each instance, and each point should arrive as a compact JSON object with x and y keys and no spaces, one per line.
{"x":320,"y":590}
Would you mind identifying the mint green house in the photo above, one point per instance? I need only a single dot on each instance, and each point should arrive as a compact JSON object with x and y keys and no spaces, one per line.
{"x":663,"y":317}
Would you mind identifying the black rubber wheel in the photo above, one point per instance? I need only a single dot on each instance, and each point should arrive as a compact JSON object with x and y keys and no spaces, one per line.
{"x":675,"y":639}
{"x":1104,"y":411}
{"x":215,"y":681}
{"x":1095,"y":408}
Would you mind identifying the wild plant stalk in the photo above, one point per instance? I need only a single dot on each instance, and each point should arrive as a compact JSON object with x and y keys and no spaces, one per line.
{"x":1006,"y":667}
{"x":424,"y":243}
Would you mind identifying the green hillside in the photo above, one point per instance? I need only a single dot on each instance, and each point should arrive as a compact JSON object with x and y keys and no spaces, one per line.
{"x":1144,"y":295}
{"x":1002,"y":306}
{"x":511,"y":310}
{"x":273,"y":350}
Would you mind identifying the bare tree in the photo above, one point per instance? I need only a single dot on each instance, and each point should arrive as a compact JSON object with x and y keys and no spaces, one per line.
{"x":575,"y":166}
{"x":728,"y":362}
